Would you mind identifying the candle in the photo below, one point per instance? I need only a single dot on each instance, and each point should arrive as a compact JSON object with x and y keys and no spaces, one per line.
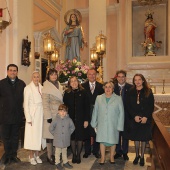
{"x":1,"y":12}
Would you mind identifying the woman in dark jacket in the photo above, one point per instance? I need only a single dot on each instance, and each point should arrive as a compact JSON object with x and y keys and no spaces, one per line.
{"x":140,"y":105}
{"x":75,"y":98}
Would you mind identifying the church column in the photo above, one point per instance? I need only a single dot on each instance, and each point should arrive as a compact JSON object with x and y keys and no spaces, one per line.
{"x":97,"y":23}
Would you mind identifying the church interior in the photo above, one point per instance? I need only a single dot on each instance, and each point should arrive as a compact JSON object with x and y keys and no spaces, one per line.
{"x":123,"y":27}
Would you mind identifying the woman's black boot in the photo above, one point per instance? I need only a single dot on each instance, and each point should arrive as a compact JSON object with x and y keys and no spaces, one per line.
{"x":78,"y":159}
{"x":135,"y":162}
{"x":74,"y":160}
{"x":51,"y":160}
{"x":142,"y":162}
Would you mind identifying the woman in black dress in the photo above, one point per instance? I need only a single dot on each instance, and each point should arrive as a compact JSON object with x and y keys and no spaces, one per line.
{"x":76,"y":99}
{"x":140,"y":105}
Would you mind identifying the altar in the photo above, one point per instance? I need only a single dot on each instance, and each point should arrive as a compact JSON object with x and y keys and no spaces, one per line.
{"x":160,"y":133}
{"x":162,"y":108}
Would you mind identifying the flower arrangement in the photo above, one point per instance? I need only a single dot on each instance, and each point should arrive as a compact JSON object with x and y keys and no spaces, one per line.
{"x":70,"y":68}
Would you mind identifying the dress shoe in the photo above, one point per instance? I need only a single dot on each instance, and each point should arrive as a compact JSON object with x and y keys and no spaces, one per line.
{"x":15,"y":159}
{"x":135,"y":162}
{"x":142,"y":162}
{"x":112,"y":162}
{"x":97,"y":155}
{"x":74,"y":160}
{"x":51,"y":161}
{"x":125,"y":157}
{"x":7,"y":161}
{"x":86,"y":155}
{"x":117,"y":156}
{"x":101,"y":163}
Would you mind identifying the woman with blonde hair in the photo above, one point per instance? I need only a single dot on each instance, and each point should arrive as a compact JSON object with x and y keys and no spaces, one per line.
{"x":34,"y":118}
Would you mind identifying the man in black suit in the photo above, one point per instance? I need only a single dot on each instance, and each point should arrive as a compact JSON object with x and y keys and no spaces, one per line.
{"x":11,"y":113}
{"x":121,"y":89}
{"x":93,"y":89}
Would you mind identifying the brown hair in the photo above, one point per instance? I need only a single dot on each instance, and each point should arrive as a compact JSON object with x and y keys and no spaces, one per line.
{"x":63,"y":107}
{"x":69,"y":89}
{"x":50,"y":72}
{"x":121,"y":71}
{"x":70,"y":21}
{"x":146,"y":88}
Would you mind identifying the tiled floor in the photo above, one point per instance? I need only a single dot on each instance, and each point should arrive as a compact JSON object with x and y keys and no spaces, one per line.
{"x":90,"y":163}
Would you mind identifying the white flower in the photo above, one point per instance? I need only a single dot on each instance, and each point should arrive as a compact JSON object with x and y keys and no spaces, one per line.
{"x":76,"y":69}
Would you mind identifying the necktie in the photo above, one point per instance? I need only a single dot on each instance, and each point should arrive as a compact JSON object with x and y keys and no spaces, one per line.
{"x":92,"y":88}
{"x":121,"y":88}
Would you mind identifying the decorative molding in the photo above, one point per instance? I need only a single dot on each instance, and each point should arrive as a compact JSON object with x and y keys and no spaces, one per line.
{"x":46,"y":11}
{"x":84,"y":12}
{"x":147,"y":65}
{"x":111,"y":9}
{"x":54,"y":5}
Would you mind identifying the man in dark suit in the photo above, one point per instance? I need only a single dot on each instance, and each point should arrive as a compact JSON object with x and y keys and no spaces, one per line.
{"x":121,"y":89}
{"x":93,"y":89}
{"x":11,"y":113}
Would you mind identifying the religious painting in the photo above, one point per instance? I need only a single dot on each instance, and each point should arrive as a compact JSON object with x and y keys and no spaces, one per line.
{"x":149,"y":29}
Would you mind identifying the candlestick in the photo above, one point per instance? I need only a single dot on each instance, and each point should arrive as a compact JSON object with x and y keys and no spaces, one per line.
{"x":1,"y":10}
{"x":163,"y":91}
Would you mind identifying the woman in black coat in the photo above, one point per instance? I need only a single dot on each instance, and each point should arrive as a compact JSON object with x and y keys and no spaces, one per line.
{"x":76,"y":99}
{"x":140,"y":105}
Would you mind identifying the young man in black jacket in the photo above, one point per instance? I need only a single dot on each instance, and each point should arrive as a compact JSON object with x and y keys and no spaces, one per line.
{"x":11,"y":113}
{"x":121,"y":89}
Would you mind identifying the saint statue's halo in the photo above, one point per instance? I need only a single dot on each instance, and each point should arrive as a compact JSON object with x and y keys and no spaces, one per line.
{"x":72,"y":11}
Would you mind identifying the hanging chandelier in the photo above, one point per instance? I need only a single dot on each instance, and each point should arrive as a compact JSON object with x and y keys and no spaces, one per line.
{"x":3,"y":23}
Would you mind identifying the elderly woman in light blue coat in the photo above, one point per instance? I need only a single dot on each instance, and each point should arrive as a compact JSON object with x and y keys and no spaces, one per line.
{"x":108,"y":120}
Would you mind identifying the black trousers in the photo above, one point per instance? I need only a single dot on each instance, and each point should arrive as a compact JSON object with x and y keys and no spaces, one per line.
{"x":10,"y":137}
{"x":87,"y":142}
{"x":123,"y":145}
{"x":87,"y":146}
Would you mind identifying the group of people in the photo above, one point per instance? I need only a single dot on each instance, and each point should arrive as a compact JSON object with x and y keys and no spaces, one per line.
{"x":110,"y":114}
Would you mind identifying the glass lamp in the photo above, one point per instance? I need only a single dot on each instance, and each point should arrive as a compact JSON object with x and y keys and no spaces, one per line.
{"x":101,"y":50}
{"x":48,"y":48}
{"x":101,"y":44}
{"x":93,"y":54}
{"x":54,"y":57}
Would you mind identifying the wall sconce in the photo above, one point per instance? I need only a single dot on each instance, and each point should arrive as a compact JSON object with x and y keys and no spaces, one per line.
{"x":54,"y":57}
{"x":3,"y":23}
{"x":26,"y":48}
{"x":48,"y":48}
{"x":101,"y":50}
